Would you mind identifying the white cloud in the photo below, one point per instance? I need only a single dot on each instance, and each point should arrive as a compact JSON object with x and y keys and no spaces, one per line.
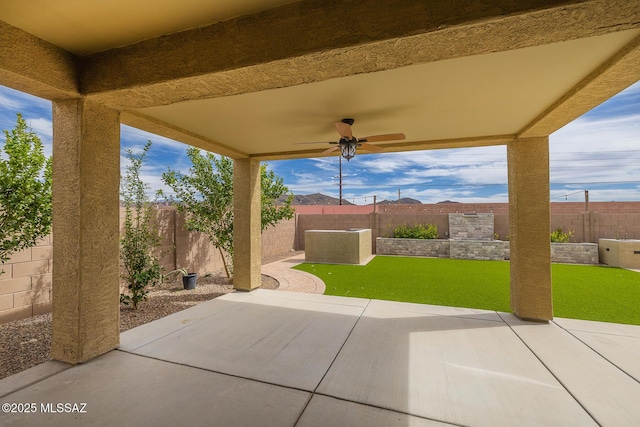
{"x":11,"y":102}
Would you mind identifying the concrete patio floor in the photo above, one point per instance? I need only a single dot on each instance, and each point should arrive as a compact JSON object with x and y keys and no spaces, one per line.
{"x":270,"y":358}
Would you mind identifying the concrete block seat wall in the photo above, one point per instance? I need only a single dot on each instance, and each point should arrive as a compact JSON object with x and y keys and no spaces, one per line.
{"x":338,"y":246}
{"x":620,"y":253}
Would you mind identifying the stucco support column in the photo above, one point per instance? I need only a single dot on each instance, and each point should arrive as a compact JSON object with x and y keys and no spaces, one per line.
{"x":529,"y":223}
{"x":86,"y":181}
{"x":246,"y":224}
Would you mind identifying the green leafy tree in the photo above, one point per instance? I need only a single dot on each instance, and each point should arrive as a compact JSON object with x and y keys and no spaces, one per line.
{"x":140,"y":242}
{"x":25,"y":191}
{"x":206,"y":194}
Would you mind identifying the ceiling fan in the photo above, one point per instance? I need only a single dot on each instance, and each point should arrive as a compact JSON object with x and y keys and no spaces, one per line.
{"x":348,"y":143}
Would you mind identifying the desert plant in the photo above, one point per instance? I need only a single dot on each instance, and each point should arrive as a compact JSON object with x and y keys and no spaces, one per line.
{"x":140,"y":242}
{"x":620,"y":234}
{"x":25,"y":191}
{"x":419,"y":231}
{"x":174,"y":273}
{"x":558,"y":236}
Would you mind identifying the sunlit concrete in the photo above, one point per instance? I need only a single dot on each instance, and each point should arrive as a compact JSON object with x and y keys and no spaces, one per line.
{"x":284,"y":359}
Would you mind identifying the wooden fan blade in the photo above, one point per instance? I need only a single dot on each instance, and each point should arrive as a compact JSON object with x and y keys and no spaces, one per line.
{"x":370,"y":147}
{"x":319,"y":142}
{"x":330,"y":150}
{"x":344,"y":130}
{"x":386,"y":137}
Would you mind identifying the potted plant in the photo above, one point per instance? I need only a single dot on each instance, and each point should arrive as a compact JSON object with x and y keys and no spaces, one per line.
{"x":188,"y":279}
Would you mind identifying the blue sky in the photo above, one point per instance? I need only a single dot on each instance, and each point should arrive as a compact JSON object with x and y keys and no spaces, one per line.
{"x":599,"y":152}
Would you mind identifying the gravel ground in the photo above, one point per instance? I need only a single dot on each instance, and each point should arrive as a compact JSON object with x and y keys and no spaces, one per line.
{"x":26,"y":343}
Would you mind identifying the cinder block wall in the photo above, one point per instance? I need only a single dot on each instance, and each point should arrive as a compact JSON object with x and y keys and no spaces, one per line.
{"x":25,"y":286}
{"x":279,"y":240}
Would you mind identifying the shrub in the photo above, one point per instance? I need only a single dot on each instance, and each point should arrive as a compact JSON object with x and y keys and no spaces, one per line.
{"x":139,"y":244}
{"x":559,"y":236}
{"x":418,"y":231}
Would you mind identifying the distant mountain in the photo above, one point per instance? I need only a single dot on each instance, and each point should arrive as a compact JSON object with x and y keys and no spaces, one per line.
{"x":315,"y":199}
{"x":446,"y":201}
{"x":403,"y":201}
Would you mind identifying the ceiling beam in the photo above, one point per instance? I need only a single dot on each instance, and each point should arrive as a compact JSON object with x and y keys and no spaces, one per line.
{"x":34,"y":66}
{"x":619,"y":72}
{"x":396,"y":147}
{"x":316,"y":40}
{"x":158,"y":127}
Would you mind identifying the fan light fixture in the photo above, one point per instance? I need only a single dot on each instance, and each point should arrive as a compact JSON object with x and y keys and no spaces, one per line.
{"x":348,"y":149}
{"x":348,"y":143}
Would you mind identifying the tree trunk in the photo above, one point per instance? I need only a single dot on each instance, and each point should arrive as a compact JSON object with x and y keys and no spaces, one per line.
{"x":224,"y":262}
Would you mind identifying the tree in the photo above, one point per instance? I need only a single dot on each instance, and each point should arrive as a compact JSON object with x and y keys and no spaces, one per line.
{"x":140,"y":242}
{"x":25,"y":191}
{"x":206,"y":194}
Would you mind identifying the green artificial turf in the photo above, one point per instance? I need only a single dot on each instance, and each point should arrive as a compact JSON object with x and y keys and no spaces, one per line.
{"x":599,"y":293}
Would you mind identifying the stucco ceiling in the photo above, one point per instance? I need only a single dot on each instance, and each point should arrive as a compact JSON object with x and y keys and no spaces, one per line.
{"x":483,"y":95}
{"x":88,"y":26}
{"x":285,"y":71}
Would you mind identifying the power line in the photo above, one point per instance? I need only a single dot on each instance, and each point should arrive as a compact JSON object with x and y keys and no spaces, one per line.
{"x":568,"y":194}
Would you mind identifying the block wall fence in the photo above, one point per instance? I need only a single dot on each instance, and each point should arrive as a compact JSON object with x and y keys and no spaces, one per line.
{"x":603,"y":220}
{"x":25,"y":286}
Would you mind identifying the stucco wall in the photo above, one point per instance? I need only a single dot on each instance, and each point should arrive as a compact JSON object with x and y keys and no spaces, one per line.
{"x":620,"y":253}
{"x":338,"y":246}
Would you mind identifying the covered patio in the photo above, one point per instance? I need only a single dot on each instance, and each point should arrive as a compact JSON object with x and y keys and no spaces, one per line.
{"x":250,"y":80}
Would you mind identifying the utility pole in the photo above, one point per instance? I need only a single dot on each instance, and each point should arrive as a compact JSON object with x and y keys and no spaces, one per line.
{"x":586,"y":200}
{"x":398,"y":196}
{"x":340,"y":184}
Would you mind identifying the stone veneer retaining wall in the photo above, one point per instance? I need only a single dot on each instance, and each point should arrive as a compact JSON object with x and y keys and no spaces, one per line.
{"x":575,"y":253}
{"x":569,"y":253}
{"x":471,"y":226}
{"x":478,"y":249}
{"x":435,"y":248}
